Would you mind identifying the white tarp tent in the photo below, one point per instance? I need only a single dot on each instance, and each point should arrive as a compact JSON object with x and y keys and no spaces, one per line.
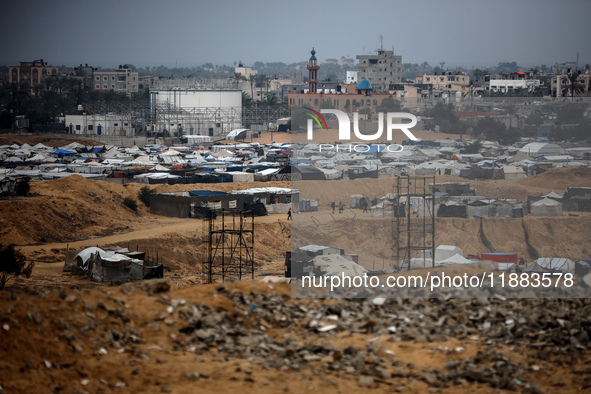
{"x":443,"y":252}
{"x":546,"y":207}
{"x":336,"y":265}
{"x":456,"y":259}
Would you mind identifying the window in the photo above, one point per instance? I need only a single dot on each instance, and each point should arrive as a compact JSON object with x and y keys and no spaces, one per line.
{"x":97,"y":86}
{"x":112,"y":86}
{"x":105,"y":78}
{"x":98,"y":78}
{"x":104,"y":86}
{"x":78,"y":127}
{"x":116,"y":124}
{"x":90,"y":127}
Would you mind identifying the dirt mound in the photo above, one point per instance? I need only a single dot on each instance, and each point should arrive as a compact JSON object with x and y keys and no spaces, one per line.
{"x":559,"y":178}
{"x":372,"y":238}
{"x":73,"y":208}
{"x":69,"y":208}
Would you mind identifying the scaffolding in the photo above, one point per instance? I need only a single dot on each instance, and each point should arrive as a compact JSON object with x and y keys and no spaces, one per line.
{"x":230,"y":245}
{"x":413,"y":221}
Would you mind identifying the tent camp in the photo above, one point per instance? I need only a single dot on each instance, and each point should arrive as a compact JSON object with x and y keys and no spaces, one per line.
{"x":546,"y":207}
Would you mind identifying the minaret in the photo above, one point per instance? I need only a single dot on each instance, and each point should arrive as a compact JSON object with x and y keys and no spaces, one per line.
{"x":313,"y":76}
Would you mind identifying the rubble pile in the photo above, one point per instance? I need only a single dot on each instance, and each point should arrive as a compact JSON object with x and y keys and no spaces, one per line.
{"x":334,"y":339}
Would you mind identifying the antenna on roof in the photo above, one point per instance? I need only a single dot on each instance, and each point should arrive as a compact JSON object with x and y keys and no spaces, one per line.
{"x":381,"y":42}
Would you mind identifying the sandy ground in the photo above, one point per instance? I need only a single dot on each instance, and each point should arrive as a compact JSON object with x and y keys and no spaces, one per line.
{"x":43,"y":317}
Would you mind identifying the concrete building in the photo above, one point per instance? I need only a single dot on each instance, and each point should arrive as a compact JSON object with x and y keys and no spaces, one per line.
{"x":381,"y":70}
{"x":444,"y":81}
{"x":245,"y":70}
{"x":560,"y":85}
{"x":31,"y":72}
{"x":122,"y":80}
{"x":100,"y":124}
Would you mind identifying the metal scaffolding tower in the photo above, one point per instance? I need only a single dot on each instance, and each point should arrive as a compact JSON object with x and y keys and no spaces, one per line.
{"x":230,"y":245}
{"x":414,"y":221}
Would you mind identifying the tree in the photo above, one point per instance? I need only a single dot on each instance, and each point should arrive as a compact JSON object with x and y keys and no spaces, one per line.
{"x":237,"y":78}
{"x":252,"y":79}
{"x":389,"y":104}
{"x":247,"y":101}
{"x":299,"y":118}
{"x":473,"y":147}
{"x":13,"y":264}
{"x":573,"y":86}
{"x":262,"y":81}
{"x":444,"y":115}
{"x":494,"y":130}
{"x":144,"y":195}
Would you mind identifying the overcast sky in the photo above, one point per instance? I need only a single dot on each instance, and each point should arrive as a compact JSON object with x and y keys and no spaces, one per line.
{"x":189,"y":33}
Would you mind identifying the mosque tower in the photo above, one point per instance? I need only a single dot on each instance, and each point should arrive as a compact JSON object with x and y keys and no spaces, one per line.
{"x":313,"y":72}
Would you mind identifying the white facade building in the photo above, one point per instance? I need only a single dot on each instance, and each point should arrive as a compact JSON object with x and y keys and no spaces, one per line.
{"x":195,"y":112}
{"x":351,"y":77}
{"x":101,"y":124}
{"x":508,"y":85}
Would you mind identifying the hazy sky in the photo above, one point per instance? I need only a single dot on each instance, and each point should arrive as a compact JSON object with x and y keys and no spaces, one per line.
{"x":107,"y":33}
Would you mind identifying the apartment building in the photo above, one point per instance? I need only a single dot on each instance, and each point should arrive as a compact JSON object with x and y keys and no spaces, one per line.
{"x":381,"y":69}
{"x":122,"y":80}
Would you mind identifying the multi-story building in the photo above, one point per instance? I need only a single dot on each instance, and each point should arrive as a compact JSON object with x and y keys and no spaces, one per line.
{"x":122,"y":80}
{"x":31,"y":72}
{"x":561,"y":85}
{"x":443,"y":81}
{"x":381,"y":70}
{"x":245,"y":70}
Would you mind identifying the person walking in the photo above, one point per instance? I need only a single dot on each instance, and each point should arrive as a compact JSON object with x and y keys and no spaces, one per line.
{"x":289,"y":214}
{"x":340,"y":207}
{"x":332,"y":205}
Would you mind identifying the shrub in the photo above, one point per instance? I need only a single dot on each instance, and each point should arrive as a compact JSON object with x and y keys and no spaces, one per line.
{"x":13,"y":263}
{"x":22,"y":187}
{"x":144,"y":195}
{"x":130,"y":203}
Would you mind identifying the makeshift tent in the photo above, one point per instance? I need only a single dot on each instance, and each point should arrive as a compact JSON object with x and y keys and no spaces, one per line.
{"x":336,"y":265}
{"x":564,"y":265}
{"x":443,"y":252}
{"x":546,"y":207}
{"x":456,"y":259}
{"x":238,"y":134}
{"x":451,"y":209}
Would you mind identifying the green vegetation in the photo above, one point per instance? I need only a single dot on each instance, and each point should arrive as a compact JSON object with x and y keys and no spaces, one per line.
{"x":130,"y":203}
{"x":473,"y":148}
{"x":23,"y":187}
{"x":445,"y":117}
{"x":13,"y":264}
{"x":144,"y":195}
